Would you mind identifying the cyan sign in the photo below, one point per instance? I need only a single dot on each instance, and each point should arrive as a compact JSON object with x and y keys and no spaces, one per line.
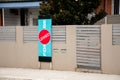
{"x":44,"y":36}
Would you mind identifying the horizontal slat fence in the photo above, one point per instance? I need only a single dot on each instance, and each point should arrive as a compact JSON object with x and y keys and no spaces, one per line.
{"x":88,"y":46}
{"x":8,"y":33}
{"x":116,"y":34}
{"x":59,"y":34}
{"x":30,"y":34}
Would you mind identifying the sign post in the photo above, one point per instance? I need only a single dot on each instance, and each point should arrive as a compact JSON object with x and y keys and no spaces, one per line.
{"x":44,"y":36}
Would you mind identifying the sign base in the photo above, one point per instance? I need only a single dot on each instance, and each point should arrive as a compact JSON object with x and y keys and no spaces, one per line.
{"x":45,"y":59}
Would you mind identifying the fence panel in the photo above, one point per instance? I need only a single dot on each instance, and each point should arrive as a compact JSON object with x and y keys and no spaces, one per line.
{"x":116,"y":34}
{"x":88,"y":46}
{"x":30,"y":34}
{"x":8,"y":33}
{"x":59,"y":34}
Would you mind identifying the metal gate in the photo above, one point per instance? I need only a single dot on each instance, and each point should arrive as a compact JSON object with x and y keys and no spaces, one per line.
{"x":88,"y":48}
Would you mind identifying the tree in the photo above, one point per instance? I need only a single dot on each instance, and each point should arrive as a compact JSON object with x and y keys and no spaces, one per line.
{"x":69,"y":12}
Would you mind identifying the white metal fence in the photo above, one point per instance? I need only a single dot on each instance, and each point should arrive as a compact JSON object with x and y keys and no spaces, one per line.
{"x":8,"y":33}
{"x":116,"y":34}
{"x":88,"y":46}
{"x":59,"y":34}
{"x":31,"y":34}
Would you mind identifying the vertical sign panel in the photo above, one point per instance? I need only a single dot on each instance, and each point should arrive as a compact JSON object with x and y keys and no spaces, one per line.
{"x":44,"y":36}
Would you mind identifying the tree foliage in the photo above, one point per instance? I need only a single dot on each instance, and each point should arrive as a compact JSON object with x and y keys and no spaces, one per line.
{"x":69,"y":12}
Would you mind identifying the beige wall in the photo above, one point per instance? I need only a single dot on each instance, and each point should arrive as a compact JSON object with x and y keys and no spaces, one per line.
{"x":17,"y":54}
{"x":66,"y":60}
{"x":24,"y":55}
{"x":110,"y":54}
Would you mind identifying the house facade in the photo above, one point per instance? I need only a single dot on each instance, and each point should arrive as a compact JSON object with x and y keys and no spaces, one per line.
{"x":112,"y":7}
{"x":25,"y":12}
{"x":19,"y":12}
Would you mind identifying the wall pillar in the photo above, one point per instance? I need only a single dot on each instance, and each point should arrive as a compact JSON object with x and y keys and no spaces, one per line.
{"x":110,"y":54}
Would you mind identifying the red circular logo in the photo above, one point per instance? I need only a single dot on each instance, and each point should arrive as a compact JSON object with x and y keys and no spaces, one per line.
{"x":44,"y":36}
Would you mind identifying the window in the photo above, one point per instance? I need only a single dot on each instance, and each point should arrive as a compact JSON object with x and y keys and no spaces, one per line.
{"x":1,"y":21}
{"x":116,"y":6}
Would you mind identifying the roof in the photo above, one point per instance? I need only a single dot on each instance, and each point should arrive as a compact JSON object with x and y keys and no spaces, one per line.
{"x":34,"y":4}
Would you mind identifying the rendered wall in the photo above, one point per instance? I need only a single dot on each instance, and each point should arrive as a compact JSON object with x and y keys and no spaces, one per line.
{"x":24,"y":55}
{"x":17,"y":54}
{"x":110,"y":54}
